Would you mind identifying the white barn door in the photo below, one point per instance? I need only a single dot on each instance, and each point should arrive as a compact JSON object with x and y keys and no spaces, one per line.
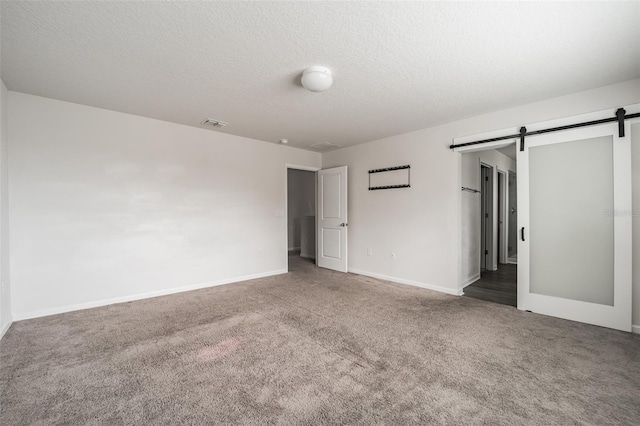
{"x":332,"y":219}
{"x":574,"y":225}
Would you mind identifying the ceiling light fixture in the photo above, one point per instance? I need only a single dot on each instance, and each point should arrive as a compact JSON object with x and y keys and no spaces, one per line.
{"x":317,"y":78}
{"x":284,"y":141}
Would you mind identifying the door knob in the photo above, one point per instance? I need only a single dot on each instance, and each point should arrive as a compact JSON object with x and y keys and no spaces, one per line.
{"x":344,"y":224}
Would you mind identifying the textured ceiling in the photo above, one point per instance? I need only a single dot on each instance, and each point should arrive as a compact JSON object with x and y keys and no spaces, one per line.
{"x":398,"y":66}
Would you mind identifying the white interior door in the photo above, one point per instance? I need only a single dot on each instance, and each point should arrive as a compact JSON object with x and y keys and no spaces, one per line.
{"x":574,"y":238}
{"x":332,"y":218}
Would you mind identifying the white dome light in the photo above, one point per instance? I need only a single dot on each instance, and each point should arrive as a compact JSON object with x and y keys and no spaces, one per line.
{"x":317,"y":79}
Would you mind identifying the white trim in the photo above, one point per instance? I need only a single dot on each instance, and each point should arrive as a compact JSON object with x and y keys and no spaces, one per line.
{"x":470,"y":281}
{"x":148,"y":295}
{"x":298,"y":167}
{"x":294,"y":249}
{"x":635,"y":329}
{"x":459,"y":214}
{"x":5,"y":329}
{"x":486,"y":135}
{"x":409,"y":282}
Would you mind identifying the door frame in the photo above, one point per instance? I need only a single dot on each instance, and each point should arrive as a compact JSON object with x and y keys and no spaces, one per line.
{"x":564,"y":121}
{"x":531,"y":126}
{"x":503,"y":212}
{"x":509,"y":214}
{"x":488,"y":226}
{"x":288,"y":166}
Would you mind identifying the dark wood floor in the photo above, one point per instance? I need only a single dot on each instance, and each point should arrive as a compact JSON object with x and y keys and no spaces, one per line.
{"x":496,"y":286}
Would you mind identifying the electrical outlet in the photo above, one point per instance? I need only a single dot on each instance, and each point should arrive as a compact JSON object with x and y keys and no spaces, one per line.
{"x":369,"y":252}
{"x":393,"y":254}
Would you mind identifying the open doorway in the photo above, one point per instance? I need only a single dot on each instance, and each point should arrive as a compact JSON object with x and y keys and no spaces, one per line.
{"x":301,"y":219}
{"x":512,"y":253}
{"x":486,"y":218}
{"x":503,"y":231}
{"x":489,"y":226}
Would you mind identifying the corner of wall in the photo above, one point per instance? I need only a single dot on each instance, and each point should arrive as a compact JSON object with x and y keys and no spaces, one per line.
{"x":5,"y":328}
{"x":6,"y":318}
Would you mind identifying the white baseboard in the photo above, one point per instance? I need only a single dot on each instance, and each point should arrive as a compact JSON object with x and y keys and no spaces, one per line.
{"x":5,"y":329}
{"x":469,"y":281}
{"x":308,"y":256}
{"x":148,"y":295}
{"x":409,"y":282}
{"x":294,"y":249}
{"x":635,"y":329}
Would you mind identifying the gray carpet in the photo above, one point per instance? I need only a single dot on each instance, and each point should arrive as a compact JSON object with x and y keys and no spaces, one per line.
{"x":316,"y":347}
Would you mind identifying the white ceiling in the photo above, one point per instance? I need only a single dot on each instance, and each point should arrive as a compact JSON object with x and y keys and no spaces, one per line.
{"x":398,"y":66}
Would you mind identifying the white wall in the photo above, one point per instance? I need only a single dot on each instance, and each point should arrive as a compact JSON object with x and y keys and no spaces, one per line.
{"x":301,"y":200}
{"x":5,"y":288}
{"x":423,"y":223}
{"x":418,"y":223}
{"x":471,"y":211}
{"x":108,"y":206}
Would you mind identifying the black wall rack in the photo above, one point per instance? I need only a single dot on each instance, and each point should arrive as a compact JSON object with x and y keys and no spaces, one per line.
{"x":391,"y":169}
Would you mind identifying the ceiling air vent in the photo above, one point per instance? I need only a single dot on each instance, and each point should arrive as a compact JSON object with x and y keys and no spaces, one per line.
{"x":325,"y":146}
{"x":214,"y":123}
